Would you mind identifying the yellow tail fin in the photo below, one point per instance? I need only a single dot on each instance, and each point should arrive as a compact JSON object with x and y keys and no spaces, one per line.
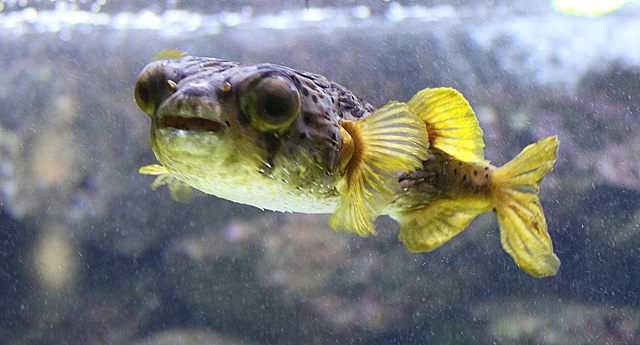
{"x":523,"y":229}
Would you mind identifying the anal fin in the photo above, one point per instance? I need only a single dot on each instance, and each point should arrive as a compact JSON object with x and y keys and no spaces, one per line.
{"x":427,"y":228}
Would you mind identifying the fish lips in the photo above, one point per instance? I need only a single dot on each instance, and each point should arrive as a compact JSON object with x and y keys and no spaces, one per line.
{"x":188,"y":115}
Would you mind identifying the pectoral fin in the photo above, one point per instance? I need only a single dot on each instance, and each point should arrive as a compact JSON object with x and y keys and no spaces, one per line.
{"x":179,"y":190}
{"x":388,"y":141}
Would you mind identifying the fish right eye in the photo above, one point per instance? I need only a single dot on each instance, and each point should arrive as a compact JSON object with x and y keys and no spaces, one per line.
{"x":143,"y":96}
{"x":152,"y":87}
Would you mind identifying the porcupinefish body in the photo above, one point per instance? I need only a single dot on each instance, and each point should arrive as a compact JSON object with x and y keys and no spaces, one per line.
{"x":276,"y":138}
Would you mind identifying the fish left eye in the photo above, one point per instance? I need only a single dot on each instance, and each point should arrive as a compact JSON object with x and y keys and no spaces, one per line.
{"x":272,"y":104}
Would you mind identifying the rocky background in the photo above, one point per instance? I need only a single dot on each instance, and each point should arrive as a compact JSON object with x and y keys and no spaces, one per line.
{"x":90,"y":255}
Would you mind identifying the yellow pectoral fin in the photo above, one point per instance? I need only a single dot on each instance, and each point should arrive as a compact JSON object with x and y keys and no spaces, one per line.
{"x":179,"y":190}
{"x":366,"y":194}
{"x":388,"y":141}
{"x":452,"y":124}
{"x":427,"y":228}
{"x":153,"y":169}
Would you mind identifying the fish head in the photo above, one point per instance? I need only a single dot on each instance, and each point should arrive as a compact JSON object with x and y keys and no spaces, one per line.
{"x":259,"y":135}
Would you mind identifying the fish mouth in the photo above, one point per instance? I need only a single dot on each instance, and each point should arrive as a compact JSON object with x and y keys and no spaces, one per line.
{"x":192,"y":124}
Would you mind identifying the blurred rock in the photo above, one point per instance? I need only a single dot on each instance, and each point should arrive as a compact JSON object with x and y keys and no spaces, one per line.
{"x":548,"y":321}
{"x":189,"y":337}
{"x":312,"y":284}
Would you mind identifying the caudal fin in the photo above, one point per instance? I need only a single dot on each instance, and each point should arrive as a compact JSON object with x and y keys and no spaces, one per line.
{"x":523,"y":229}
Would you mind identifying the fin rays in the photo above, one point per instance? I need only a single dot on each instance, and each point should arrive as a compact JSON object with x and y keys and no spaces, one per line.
{"x":179,"y":190}
{"x":388,"y":141}
{"x":428,"y":228}
{"x":446,"y":111}
{"x":523,"y":228}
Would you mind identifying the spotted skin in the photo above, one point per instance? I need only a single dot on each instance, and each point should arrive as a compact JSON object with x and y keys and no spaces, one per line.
{"x":296,"y":164}
{"x":276,"y":138}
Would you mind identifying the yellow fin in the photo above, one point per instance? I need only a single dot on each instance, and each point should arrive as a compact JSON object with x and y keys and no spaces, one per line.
{"x":179,"y":190}
{"x":452,"y":124}
{"x":523,"y":228}
{"x":388,"y":141}
{"x":427,"y":228}
{"x":169,"y":54}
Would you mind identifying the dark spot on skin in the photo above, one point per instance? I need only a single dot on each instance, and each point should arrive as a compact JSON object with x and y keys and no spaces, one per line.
{"x":494,"y":210}
{"x":475,"y":173}
{"x":305,"y":91}
{"x":307,"y":120}
{"x":486,"y":176}
{"x":314,"y":98}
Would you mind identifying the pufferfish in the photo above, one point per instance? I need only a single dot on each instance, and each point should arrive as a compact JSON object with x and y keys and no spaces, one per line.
{"x":286,"y":140}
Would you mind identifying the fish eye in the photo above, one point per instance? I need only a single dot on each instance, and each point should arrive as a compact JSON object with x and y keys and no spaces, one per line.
{"x":152,"y":87}
{"x":272,"y":104}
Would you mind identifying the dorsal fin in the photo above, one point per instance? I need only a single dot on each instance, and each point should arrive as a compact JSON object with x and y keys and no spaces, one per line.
{"x":451,"y":123}
{"x":169,"y":54}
